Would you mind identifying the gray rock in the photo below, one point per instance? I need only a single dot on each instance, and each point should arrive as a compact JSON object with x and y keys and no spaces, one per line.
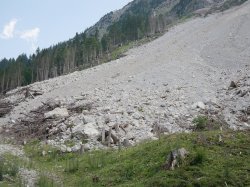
{"x":69,"y":150}
{"x":86,"y":147}
{"x":53,"y":103}
{"x":54,"y":130}
{"x":44,"y":153}
{"x":126,"y":143}
{"x":174,"y":158}
{"x":159,"y":128}
{"x":200,"y":105}
{"x":130,"y":111}
{"x":171,"y":120}
{"x":63,"y":148}
{"x":87,"y":131}
{"x":76,"y":147}
{"x":57,"y":113}
{"x":77,"y":120}
{"x":88,"y":119}
{"x":182,"y":153}
{"x":136,"y":116}
{"x":63,"y":127}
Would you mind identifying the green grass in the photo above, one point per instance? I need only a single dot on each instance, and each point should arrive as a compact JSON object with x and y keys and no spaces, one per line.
{"x":120,"y":51}
{"x":44,"y":181}
{"x":210,"y":163}
{"x":206,"y":123}
{"x":9,"y":167}
{"x":200,"y":122}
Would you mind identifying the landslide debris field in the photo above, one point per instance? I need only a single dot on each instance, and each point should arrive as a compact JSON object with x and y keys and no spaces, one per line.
{"x":164,"y":83}
{"x":200,"y":67}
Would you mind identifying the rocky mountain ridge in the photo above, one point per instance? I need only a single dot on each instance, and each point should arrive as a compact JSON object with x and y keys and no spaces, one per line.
{"x":167,"y":8}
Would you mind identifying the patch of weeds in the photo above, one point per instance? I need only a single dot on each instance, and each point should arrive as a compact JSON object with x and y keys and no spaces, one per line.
{"x":1,"y":169}
{"x":128,"y":172}
{"x":44,"y":152}
{"x":51,"y":153}
{"x":97,"y":160}
{"x":200,"y":123}
{"x":44,"y":181}
{"x":84,"y":182}
{"x":9,"y":166}
{"x":199,"y":157}
{"x":72,"y":165}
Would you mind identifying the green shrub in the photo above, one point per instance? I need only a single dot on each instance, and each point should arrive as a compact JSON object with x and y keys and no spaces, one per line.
{"x":200,"y":123}
{"x":199,"y":157}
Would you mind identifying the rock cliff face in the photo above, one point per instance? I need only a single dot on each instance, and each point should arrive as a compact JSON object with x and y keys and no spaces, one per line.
{"x":159,"y":87}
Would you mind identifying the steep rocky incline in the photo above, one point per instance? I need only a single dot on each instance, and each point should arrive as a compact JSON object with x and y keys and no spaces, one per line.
{"x":169,"y":9}
{"x":158,"y":87}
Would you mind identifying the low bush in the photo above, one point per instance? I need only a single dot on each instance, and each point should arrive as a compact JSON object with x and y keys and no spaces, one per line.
{"x":200,"y":123}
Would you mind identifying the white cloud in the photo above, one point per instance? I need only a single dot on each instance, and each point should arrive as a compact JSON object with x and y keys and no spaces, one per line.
{"x":31,"y":36}
{"x":8,"y":30}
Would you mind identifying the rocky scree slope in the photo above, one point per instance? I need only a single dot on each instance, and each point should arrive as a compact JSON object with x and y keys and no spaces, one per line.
{"x":159,"y":87}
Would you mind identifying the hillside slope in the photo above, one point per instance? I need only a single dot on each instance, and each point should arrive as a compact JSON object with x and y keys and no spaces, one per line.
{"x":163,"y":84}
{"x":138,"y":20}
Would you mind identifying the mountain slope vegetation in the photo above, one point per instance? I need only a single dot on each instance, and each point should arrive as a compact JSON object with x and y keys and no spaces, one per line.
{"x":209,"y":163}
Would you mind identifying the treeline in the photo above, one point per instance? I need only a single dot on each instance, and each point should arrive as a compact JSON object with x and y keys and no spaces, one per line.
{"x":63,"y":58}
{"x":83,"y":51}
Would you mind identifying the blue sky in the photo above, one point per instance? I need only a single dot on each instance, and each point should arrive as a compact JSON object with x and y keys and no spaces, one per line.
{"x":28,"y":24}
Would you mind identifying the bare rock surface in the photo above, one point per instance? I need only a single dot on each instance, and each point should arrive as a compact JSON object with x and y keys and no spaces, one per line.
{"x":175,"y":158}
{"x":158,"y":87}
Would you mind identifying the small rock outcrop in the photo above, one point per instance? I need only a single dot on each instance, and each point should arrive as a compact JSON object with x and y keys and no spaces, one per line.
{"x":175,"y":158}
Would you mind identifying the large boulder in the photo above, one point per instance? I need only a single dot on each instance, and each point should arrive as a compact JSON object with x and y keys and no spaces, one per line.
{"x":200,"y":105}
{"x":57,"y":113}
{"x":88,"y":130}
{"x":76,"y":147}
